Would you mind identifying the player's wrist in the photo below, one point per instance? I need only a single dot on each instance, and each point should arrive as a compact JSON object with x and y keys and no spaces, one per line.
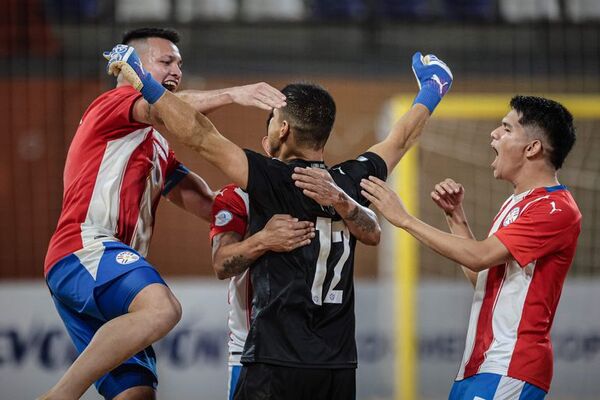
{"x":343,"y":204}
{"x":259,"y":243}
{"x":151,"y":90}
{"x":428,"y":96}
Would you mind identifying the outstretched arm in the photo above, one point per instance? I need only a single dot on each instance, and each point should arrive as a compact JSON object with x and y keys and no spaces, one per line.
{"x":317,"y":184}
{"x":434,"y":79}
{"x":260,"y":95}
{"x":473,"y":254}
{"x":231,"y":255}
{"x":175,"y":117}
{"x":448,"y":195}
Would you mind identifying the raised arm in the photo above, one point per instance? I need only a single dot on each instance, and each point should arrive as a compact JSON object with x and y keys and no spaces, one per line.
{"x":317,"y":184}
{"x":173,"y":116}
{"x":434,"y":79}
{"x":448,"y":196}
{"x":231,"y":255}
{"x":472,"y":254}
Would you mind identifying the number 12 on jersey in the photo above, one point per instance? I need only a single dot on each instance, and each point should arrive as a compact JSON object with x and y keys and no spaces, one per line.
{"x":330,"y":233}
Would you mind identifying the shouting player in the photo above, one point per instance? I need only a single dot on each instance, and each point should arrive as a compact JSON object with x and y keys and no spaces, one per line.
{"x":301,"y":342}
{"x":113,"y":302}
{"x":519,"y":270}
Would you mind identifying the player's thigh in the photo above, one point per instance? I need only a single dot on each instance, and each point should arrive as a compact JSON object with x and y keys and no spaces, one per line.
{"x":234,"y":376}
{"x":137,"y":288}
{"x":137,"y":393}
{"x":266,"y":382}
{"x":80,"y":327}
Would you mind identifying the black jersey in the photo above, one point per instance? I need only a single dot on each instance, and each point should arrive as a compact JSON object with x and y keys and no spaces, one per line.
{"x":303,"y":305}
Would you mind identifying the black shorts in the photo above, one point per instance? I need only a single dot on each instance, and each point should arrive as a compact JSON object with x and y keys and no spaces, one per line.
{"x":274,"y":382}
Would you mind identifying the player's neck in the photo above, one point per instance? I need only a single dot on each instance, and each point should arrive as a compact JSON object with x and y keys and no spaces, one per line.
{"x":531,"y":178}
{"x":288,"y":154}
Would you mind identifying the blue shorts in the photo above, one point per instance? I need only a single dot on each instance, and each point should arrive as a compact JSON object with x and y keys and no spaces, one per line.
{"x":234,"y":376}
{"x":487,"y":386}
{"x":95,"y":285}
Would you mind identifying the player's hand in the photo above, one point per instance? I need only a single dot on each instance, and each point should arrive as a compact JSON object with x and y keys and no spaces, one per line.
{"x":123,"y":59}
{"x":385,"y":200}
{"x":433,"y":77}
{"x":284,"y":233}
{"x":448,"y":195}
{"x":317,"y":184}
{"x":260,"y":95}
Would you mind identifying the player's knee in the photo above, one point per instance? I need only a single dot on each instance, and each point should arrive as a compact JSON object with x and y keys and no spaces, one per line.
{"x":162,"y":306}
{"x":167,"y":315}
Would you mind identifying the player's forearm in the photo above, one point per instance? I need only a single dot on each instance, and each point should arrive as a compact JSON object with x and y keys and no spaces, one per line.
{"x":182,"y":121}
{"x":361,"y":221}
{"x":458,"y":224}
{"x":472,"y":254}
{"x":402,"y":136}
{"x":206,"y":101}
{"x":233,"y":259}
{"x":193,"y":195}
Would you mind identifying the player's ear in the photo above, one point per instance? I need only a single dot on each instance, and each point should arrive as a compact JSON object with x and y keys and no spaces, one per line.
{"x":285,"y":130}
{"x":534,"y":148}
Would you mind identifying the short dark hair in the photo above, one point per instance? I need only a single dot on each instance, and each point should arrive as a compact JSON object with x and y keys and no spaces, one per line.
{"x":144,"y":33}
{"x":555,"y":121}
{"x":310,"y":110}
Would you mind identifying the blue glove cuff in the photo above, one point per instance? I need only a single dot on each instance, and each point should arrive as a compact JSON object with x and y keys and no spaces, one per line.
{"x":429,"y":96}
{"x":152,"y":90}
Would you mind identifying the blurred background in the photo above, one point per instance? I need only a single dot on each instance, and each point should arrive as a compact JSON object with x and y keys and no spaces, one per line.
{"x":51,"y":69}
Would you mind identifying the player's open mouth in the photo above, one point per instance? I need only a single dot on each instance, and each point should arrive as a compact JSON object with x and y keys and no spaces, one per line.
{"x":171,"y":86}
{"x":495,"y":158}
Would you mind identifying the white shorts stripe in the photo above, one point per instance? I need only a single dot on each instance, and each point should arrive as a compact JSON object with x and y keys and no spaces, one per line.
{"x":509,"y":389}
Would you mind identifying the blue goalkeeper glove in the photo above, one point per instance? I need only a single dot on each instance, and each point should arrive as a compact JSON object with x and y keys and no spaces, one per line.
{"x":434,"y":79}
{"x":124,"y":59}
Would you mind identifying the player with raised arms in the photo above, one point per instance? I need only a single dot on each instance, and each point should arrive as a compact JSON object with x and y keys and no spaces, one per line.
{"x":519,"y":270}
{"x":301,"y":342}
{"x":113,"y":303}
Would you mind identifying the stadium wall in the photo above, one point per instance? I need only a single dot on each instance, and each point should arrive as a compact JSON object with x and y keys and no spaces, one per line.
{"x":35,"y":349}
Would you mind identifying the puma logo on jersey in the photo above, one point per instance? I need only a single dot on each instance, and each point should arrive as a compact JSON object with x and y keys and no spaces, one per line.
{"x":339,"y":169}
{"x":554,"y":209}
{"x":441,"y":84}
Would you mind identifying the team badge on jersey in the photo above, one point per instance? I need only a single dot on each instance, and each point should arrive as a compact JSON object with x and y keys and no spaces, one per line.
{"x":223,"y":217}
{"x":126,"y":257}
{"x":511,"y":217}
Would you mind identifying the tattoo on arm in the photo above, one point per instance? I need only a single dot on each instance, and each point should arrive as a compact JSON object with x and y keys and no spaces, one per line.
{"x":235,"y":265}
{"x":362,"y":219}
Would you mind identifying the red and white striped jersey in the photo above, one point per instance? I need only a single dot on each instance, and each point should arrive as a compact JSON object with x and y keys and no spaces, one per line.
{"x":115,"y":172}
{"x":230,"y":214}
{"x":515,"y":303}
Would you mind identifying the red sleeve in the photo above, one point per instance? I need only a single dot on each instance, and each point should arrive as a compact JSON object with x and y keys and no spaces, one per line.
{"x":112,"y":112}
{"x":540,"y":230}
{"x":229,"y":212}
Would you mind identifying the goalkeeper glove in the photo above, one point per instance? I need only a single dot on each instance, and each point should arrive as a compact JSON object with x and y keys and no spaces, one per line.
{"x":123,"y":58}
{"x":434,"y":79}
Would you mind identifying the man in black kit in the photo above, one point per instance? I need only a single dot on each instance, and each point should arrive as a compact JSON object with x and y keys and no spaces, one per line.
{"x":301,"y":341}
